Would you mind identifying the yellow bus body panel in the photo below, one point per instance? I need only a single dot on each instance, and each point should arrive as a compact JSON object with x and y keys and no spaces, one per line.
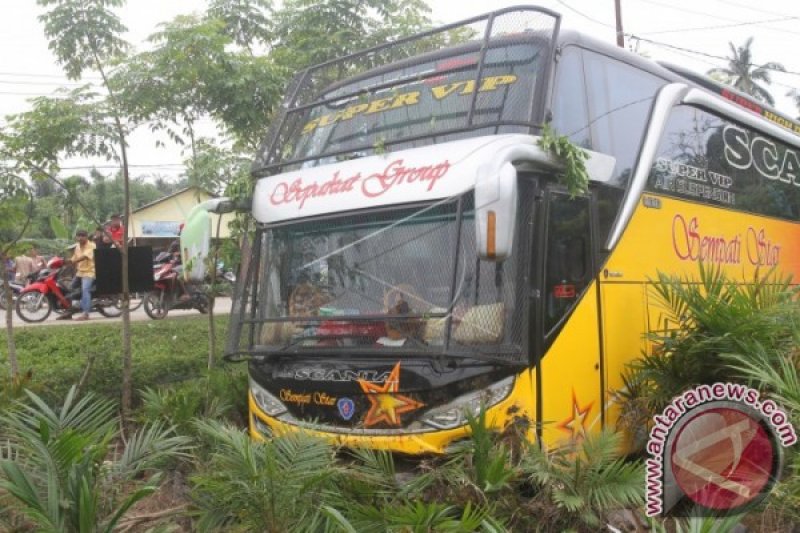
{"x":579,"y":380}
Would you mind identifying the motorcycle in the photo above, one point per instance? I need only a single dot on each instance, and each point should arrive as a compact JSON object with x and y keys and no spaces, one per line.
{"x":16,"y":288}
{"x":46,"y":294}
{"x":165,"y":295}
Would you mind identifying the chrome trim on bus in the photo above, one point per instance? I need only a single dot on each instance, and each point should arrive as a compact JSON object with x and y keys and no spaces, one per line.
{"x":726,"y":109}
{"x":666,"y":99}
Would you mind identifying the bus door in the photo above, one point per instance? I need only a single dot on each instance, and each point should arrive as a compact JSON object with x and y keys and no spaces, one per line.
{"x":570,"y":367}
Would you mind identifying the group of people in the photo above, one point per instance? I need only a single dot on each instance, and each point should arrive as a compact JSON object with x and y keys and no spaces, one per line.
{"x":83,"y":260}
{"x":22,"y":266}
{"x":109,"y":235}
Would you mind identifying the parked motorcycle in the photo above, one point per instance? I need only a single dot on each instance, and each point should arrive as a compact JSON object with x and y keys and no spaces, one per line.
{"x":166,"y":293}
{"x":46,"y":294}
{"x":16,"y":288}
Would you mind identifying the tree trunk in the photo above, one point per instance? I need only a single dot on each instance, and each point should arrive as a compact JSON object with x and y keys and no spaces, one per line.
{"x":127,"y":357}
{"x":12,"y":347}
{"x":212,"y":332}
{"x":127,"y":364}
{"x":212,"y":297}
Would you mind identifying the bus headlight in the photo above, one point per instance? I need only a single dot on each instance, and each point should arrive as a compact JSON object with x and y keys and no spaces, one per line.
{"x":266,"y":401}
{"x":454,"y":414}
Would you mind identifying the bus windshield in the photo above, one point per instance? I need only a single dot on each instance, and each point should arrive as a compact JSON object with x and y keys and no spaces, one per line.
{"x":404,"y":279}
{"x":421,"y":99}
{"x":465,"y":81}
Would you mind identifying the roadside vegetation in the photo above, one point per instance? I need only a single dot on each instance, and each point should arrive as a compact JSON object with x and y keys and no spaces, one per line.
{"x":70,"y":461}
{"x":724,"y":331}
{"x":208,"y":474}
{"x":58,"y":357}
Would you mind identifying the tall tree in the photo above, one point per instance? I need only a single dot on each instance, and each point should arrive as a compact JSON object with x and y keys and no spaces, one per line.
{"x":246,"y":22}
{"x":348,"y":26}
{"x":745,"y":75}
{"x":85,"y":35}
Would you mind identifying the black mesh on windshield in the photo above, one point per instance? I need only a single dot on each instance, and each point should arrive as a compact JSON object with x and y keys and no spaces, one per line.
{"x":477,"y":78}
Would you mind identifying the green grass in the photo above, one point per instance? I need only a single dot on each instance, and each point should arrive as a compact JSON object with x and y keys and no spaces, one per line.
{"x":164,"y":352}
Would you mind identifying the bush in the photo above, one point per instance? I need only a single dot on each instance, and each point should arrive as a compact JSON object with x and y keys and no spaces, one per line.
{"x":715,"y":316}
{"x":62,"y":469}
{"x":164,"y":352}
{"x":221,"y":393}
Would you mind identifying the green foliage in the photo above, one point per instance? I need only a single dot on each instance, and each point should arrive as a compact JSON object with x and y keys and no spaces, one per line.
{"x":13,"y":389}
{"x":246,"y":22}
{"x":744,"y":74}
{"x":15,"y":198}
{"x":60,"y":469}
{"x":193,"y":69}
{"x":272,"y":486}
{"x":164,"y":351}
{"x":777,"y":374}
{"x":220,"y":394}
{"x":59,"y":229}
{"x":216,"y":169}
{"x":348,"y":26}
{"x":296,"y":483}
{"x":571,"y":157}
{"x":76,"y":123}
{"x":82,"y":32}
{"x":703,"y":319}
{"x":472,"y":489}
{"x":419,"y":516}
{"x":695,"y":523}
{"x":582,"y":482}
{"x":482,"y":460}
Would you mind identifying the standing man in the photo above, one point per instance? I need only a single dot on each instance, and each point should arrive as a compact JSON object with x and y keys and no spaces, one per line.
{"x":116,"y":230}
{"x":100,"y":239}
{"x":38,"y":261}
{"x":23,"y":264}
{"x":83,"y":259}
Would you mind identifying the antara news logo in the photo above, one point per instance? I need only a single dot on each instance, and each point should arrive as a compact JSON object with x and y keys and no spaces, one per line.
{"x":719,"y":447}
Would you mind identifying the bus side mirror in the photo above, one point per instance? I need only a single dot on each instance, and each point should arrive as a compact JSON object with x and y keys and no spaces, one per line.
{"x":495,"y":212}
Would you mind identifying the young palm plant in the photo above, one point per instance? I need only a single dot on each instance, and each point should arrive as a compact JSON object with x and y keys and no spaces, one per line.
{"x":60,"y":468}
{"x":374,"y":497}
{"x":273,"y":486}
{"x":712,"y":315}
{"x":777,"y":373}
{"x":578,"y":484}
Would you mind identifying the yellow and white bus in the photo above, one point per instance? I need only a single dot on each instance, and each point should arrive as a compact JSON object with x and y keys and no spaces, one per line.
{"x":416,"y":256}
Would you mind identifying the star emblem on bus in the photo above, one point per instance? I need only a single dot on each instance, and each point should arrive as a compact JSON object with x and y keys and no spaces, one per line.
{"x":574,"y":425}
{"x":386,"y":405}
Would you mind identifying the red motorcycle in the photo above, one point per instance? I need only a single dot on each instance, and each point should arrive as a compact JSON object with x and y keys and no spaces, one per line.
{"x":46,"y":294}
{"x":166,"y":294}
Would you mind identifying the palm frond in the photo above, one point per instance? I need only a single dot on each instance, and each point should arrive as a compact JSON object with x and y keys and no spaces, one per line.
{"x":268,"y":486}
{"x":585,"y":480}
{"x":149,"y":446}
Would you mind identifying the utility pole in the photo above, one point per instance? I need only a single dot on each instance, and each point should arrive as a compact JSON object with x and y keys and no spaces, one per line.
{"x":620,"y":35}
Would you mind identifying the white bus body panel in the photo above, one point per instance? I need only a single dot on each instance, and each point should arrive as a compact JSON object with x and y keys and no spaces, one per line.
{"x":421,"y":174}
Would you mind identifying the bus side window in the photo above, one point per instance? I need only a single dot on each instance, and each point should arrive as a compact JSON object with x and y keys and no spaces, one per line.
{"x":620,"y":97}
{"x":567,"y":255}
{"x":570,"y":112}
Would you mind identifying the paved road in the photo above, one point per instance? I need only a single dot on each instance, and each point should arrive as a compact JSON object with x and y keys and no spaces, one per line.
{"x":221,"y":307}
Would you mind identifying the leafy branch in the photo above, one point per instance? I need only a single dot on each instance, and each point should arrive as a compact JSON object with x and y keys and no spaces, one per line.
{"x":573,"y":159}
